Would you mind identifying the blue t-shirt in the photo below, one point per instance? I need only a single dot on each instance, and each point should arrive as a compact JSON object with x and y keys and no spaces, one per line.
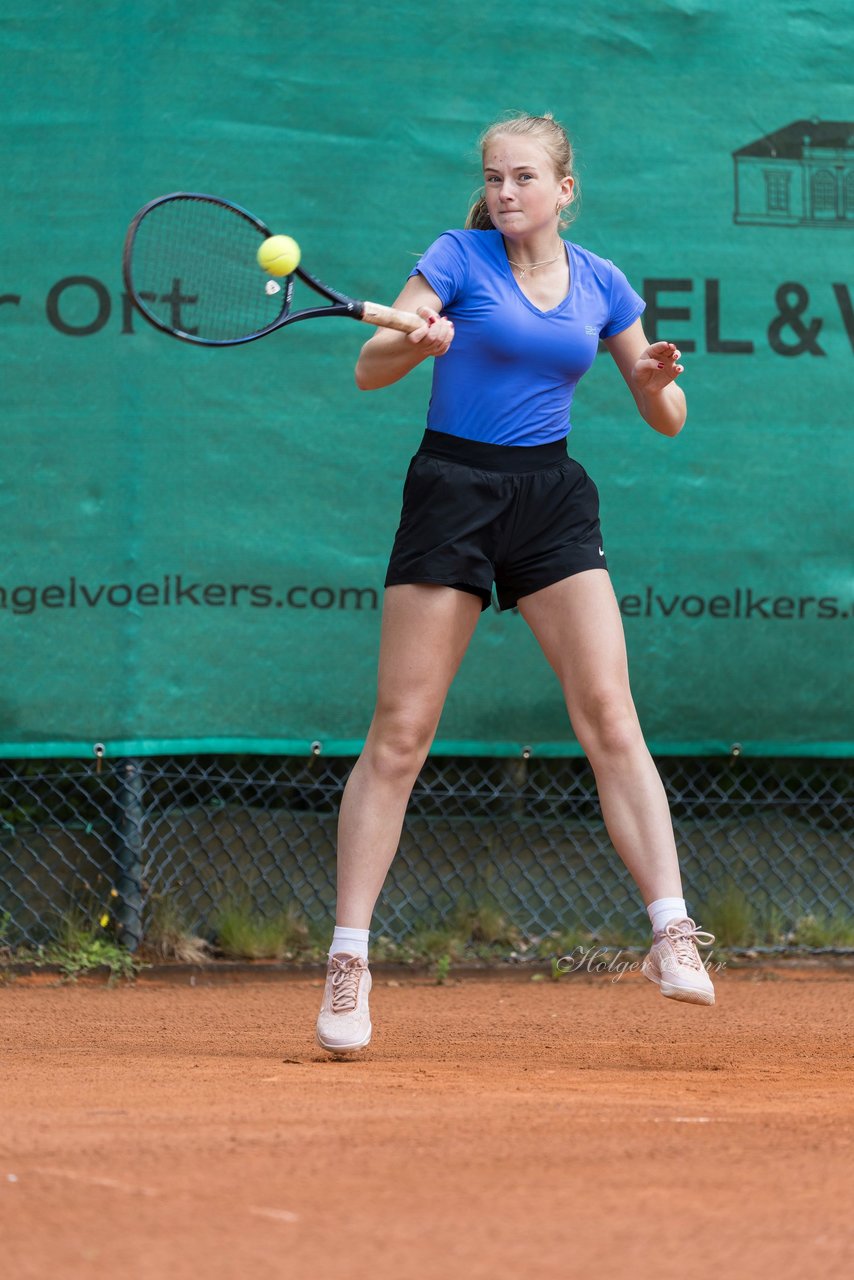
{"x":509,"y":375}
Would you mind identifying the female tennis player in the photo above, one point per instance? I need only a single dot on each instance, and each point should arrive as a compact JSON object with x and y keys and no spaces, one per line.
{"x":513,"y":314}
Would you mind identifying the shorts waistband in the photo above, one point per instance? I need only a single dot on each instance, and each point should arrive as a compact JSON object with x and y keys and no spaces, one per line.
{"x":486,"y":456}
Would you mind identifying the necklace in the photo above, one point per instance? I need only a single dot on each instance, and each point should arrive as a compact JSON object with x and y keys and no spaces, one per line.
{"x":524,"y":267}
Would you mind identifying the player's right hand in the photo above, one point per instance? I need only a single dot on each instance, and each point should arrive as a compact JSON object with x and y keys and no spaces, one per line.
{"x":435,"y":335}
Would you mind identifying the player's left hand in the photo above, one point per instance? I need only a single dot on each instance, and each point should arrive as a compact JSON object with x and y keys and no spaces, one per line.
{"x":657,"y":367}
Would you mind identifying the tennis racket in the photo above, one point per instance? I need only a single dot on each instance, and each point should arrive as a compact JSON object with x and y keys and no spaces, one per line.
{"x":190,"y":269}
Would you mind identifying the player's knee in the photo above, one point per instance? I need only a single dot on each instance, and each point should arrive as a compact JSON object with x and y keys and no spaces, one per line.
{"x":399,"y":745}
{"x":607,"y":723}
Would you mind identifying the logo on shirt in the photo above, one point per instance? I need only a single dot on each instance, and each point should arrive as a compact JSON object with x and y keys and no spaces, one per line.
{"x":591,"y":331}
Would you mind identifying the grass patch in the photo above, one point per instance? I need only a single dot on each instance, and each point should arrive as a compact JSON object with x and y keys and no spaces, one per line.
{"x":432,"y":943}
{"x":168,"y":937}
{"x":730,"y":916}
{"x":485,"y":923}
{"x":823,"y":929}
{"x":479,"y":932}
{"x":244,"y":933}
{"x":770,"y":926}
{"x":562,"y":942}
{"x":82,"y":947}
{"x":484,"y":933}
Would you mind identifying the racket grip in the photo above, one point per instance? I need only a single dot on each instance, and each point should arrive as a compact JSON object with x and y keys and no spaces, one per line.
{"x":390,"y":317}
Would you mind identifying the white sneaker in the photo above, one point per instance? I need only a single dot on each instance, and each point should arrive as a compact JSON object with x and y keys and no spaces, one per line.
{"x":674,"y":964}
{"x":344,"y":1021}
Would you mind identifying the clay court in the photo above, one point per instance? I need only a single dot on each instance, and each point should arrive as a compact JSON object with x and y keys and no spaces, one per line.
{"x":188,"y":1127}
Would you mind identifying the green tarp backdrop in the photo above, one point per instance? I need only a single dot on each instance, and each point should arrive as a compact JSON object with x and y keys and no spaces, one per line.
{"x":194,"y":541}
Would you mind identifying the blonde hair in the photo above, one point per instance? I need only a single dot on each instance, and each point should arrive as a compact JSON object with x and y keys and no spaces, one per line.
{"x":551,"y":136}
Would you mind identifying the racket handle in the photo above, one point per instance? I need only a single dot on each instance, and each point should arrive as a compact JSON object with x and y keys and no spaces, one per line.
{"x":390,"y":317}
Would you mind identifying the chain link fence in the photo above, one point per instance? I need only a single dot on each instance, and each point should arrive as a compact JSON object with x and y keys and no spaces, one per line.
{"x":526,"y":835}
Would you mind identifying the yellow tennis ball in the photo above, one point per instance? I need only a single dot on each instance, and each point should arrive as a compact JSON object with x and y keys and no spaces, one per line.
{"x":279,"y":255}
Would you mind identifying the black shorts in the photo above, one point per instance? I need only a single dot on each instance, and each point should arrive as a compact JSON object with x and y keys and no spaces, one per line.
{"x":477,"y":515}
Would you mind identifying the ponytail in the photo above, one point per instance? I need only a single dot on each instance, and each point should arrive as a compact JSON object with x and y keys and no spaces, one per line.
{"x":478,"y":217}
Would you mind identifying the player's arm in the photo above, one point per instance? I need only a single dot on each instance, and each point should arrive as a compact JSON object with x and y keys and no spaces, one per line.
{"x":650,"y":371}
{"x":388,"y":356}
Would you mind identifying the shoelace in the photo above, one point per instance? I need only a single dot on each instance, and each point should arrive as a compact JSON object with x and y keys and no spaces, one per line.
{"x":684,"y":935}
{"x":346,"y":977}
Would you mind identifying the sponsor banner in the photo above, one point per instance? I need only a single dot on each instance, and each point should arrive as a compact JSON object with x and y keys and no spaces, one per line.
{"x":194,"y":542}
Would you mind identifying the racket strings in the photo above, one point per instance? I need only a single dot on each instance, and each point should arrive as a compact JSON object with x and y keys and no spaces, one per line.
{"x":194,"y":270}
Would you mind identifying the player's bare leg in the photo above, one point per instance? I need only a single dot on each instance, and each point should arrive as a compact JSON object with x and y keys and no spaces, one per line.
{"x":425,"y":632}
{"x":578,"y":626}
{"x":577,"y":623}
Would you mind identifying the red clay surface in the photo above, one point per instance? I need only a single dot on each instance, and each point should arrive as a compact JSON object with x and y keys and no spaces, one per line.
{"x":496,"y":1128}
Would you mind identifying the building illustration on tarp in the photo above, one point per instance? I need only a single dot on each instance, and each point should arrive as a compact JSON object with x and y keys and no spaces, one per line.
{"x":799,"y":176}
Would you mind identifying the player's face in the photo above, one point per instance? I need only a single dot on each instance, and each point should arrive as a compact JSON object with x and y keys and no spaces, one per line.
{"x":522,"y":189}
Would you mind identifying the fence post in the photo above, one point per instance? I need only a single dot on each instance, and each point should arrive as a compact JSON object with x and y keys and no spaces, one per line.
{"x":129,"y":850}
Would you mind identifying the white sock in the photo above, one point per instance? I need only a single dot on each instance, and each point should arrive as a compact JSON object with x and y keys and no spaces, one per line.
{"x":663,"y":910}
{"x":353,"y":942}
